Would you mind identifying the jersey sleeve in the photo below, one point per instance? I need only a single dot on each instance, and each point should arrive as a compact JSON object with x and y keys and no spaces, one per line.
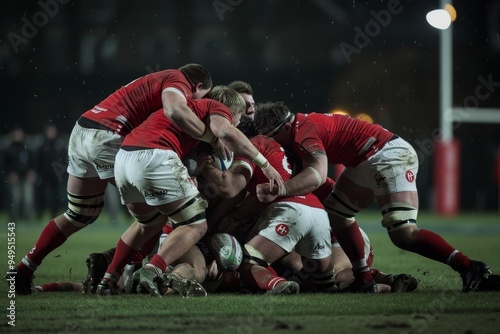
{"x":219,"y":109}
{"x":308,"y":139}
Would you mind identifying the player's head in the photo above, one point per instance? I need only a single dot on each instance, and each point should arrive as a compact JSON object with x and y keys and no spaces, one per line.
{"x":247,"y":126}
{"x":200,"y":79}
{"x":231,"y":99}
{"x":271,"y":117}
{"x":246,"y":93}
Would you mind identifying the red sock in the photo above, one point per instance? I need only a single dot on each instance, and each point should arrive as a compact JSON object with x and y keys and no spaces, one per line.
{"x":158,"y":262}
{"x":259,"y":278}
{"x":353,"y":244}
{"x":50,"y":238}
{"x":433,"y":246}
{"x":459,"y":262}
{"x":123,"y":255}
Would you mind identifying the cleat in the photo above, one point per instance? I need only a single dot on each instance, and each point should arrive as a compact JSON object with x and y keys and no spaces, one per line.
{"x":148,"y":281}
{"x":184,"y":287}
{"x":361,"y":287}
{"x":23,"y":284}
{"x":287,"y":288}
{"x":107,"y":288}
{"x":491,"y":283}
{"x":131,"y":281}
{"x":401,"y":282}
{"x":474,"y":275}
{"x":97,"y":264}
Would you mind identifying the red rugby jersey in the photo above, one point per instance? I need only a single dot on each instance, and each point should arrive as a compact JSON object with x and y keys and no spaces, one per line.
{"x":346,"y":140}
{"x":159,"y":132}
{"x":130,"y":105}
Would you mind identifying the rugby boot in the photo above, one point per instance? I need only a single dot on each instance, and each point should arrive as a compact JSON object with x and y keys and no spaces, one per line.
{"x":474,"y":275}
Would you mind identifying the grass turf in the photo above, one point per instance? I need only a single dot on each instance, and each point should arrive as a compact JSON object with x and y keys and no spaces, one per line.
{"x":437,"y":306}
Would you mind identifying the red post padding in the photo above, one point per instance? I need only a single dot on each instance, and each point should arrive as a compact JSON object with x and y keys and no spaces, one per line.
{"x":447,"y":177}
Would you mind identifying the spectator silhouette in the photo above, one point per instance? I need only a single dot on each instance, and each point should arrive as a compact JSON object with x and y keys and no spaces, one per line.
{"x":21,"y":176}
{"x":51,"y":167}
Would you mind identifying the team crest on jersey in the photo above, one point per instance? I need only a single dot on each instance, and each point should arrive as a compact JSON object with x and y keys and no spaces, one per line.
{"x":282,"y":229}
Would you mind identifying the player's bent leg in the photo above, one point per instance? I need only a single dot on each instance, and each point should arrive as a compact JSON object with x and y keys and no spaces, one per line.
{"x":189,"y":223}
{"x":400,"y":221}
{"x":254,"y":272}
{"x":143,"y":229}
{"x":194,"y":265}
{"x":60,"y":228}
{"x":341,"y":212}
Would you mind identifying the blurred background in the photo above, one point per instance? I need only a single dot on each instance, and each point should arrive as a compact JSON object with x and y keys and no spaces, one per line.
{"x":59,"y":58}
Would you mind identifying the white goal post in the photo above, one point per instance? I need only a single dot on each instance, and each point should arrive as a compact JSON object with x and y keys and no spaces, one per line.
{"x":447,"y":153}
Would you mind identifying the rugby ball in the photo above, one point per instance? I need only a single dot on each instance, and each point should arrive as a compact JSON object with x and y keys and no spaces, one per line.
{"x":220,"y":163}
{"x":227,"y":251}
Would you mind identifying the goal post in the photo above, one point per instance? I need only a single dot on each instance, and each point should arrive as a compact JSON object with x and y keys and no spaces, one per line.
{"x":447,"y":153}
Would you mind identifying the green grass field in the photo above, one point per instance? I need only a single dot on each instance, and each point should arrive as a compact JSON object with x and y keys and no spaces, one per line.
{"x":437,"y":306}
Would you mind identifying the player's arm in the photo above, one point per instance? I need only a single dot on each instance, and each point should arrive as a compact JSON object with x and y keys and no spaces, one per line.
{"x":312,"y":176}
{"x":237,"y":142}
{"x":176,"y":109}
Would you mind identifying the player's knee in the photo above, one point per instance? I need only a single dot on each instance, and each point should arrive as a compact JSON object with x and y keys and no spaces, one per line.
{"x":190,"y":213}
{"x":84,"y":210}
{"x":338,"y":204}
{"x":150,"y":218}
{"x":254,"y":256}
{"x":398,"y":215}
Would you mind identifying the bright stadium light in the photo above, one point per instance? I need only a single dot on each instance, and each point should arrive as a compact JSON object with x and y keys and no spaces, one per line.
{"x":439,"y":19}
{"x":339,"y":112}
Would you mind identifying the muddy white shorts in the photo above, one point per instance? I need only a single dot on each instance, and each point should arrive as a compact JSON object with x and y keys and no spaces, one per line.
{"x":154,"y":176}
{"x":291,"y":225}
{"x":92,"y":152}
{"x":392,"y":169}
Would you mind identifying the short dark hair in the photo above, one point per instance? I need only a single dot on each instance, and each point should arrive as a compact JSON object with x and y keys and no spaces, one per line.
{"x":196,"y":73}
{"x":269,"y":115}
{"x":241,"y":87}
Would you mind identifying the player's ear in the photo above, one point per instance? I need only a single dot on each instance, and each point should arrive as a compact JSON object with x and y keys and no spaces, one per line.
{"x":288,"y":128}
{"x":197,"y":87}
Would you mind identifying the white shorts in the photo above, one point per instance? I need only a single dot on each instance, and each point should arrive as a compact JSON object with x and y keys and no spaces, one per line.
{"x":310,"y":236}
{"x":392,"y":169}
{"x":92,"y":152}
{"x":154,"y":176}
